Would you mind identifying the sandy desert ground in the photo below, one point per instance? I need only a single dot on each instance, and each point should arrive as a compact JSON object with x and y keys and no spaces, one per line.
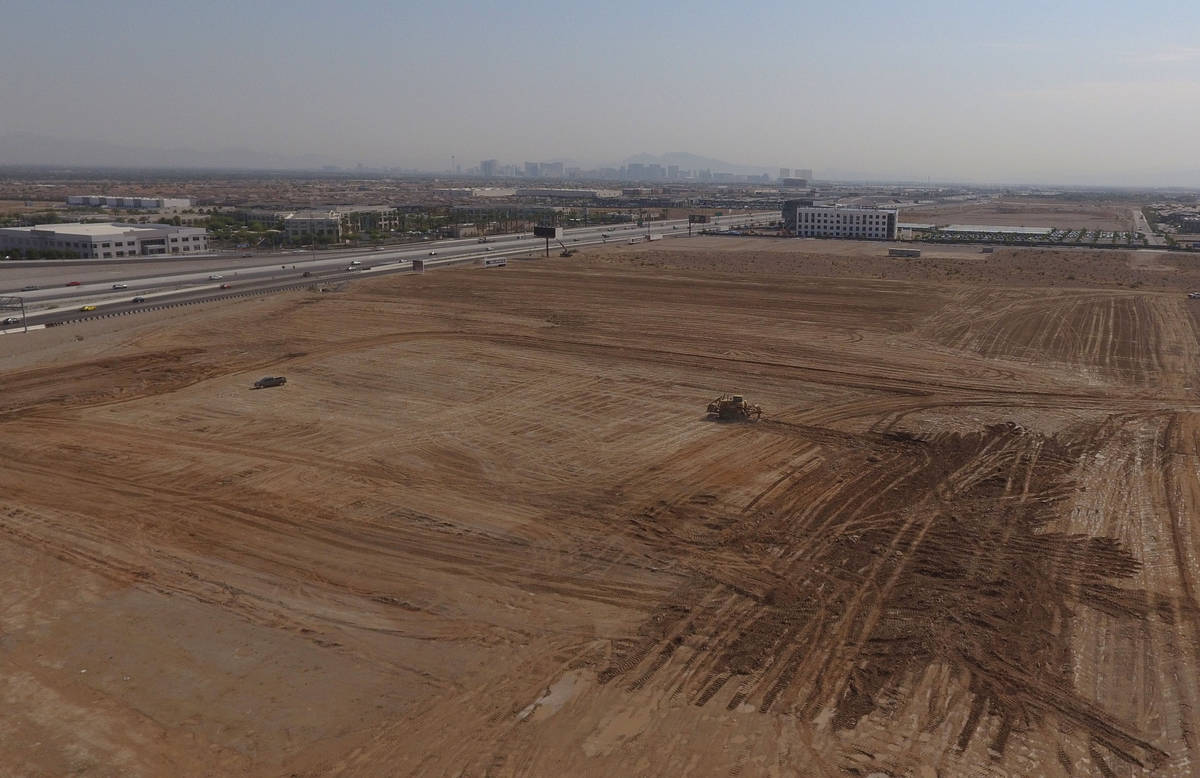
{"x":486,"y":530}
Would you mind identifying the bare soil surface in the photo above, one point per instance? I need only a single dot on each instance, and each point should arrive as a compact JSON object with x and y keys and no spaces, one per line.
{"x":485,"y":528}
{"x":1115,"y":216}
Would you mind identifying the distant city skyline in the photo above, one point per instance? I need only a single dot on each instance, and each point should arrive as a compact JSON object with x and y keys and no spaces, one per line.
{"x":1071,"y":93}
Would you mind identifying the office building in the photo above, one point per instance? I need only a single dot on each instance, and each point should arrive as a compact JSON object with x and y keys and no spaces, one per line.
{"x":805,"y":220}
{"x":106,"y":241}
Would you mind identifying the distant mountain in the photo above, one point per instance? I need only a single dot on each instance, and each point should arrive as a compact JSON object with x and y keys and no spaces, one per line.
{"x":688,"y":161}
{"x":29,"y":149}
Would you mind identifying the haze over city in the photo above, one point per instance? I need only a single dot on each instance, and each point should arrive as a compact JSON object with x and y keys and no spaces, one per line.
{"x":1074,"y":92}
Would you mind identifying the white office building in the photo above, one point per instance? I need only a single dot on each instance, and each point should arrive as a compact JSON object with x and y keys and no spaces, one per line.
{"x":806,"y":220}
{"x":106,"y":241}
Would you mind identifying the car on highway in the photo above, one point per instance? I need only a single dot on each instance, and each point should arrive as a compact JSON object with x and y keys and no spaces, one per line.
{"x":120,"y":286}
{"x":433,"y":253}
{"x":226,"y":286}
{"x":11,"y":320}
{"x":29,"y":288}
{"x":138,"y":299}
{"x":87,"y":308}
{"x":355,"y":262}
{"x":72,"y":283}
{"x":215,"y":277}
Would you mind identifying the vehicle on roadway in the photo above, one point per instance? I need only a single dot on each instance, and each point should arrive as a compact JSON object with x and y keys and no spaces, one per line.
{"x":1194,"y":295}
{"x":29,"y":288}
{"x":355,"y":262}
{"x":120,"y":286}
{"x":226,"y":286}
{"x":433,"y":253}
{"x":87,"y":308}
{"x":11,"y":320}
{"x":215,"y":277}
{"x":138,"y":299}
{"x":72,"y":283}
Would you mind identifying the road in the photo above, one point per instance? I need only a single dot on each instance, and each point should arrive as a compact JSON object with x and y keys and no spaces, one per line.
{"x":1143,"y":226}
{"x":53,"y":301}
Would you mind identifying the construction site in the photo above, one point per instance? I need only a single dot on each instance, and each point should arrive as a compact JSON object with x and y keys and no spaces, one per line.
{"x":941,"y":520}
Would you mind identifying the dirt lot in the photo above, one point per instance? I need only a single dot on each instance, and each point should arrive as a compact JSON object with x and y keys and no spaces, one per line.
{"x":1115,"y":216}
{"x":485,"y":528}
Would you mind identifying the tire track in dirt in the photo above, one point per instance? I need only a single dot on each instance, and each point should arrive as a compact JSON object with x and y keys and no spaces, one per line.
{"x":913,"y":585}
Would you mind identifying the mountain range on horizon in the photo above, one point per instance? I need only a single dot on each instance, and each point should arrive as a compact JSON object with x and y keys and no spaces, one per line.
{"x":24,"y":149}
{"x":30,"y":149}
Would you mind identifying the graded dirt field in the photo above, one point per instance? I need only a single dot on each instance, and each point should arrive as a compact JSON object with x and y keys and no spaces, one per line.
{"x":485,"y":529}
{"x":1115,"y":216}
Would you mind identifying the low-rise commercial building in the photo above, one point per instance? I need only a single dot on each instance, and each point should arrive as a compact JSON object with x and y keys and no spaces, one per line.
{"x":568,"y":194}
{"x":106,"y":241}
{"x":303,"y":225}
{"x":334,"y":223}
{"x":104,"y":201}
{"x":804,"y":219}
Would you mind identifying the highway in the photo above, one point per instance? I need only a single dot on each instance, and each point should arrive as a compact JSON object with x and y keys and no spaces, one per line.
{"x":187,"y":279}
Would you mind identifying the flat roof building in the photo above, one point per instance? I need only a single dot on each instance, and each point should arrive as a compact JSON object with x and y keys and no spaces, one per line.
{"x":103,"y":201}
{"x":106,"y":241}
{"x":333,"y":223}
{"x":805,"y":220}
{"x":576,"y":194}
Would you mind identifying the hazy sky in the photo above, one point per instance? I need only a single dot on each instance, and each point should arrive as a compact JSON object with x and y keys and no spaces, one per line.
{"x":1076,"y":91}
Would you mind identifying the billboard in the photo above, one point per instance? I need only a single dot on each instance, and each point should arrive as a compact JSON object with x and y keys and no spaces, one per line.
{"x":418,"y":266}
{"x":495,"y":262}
{"x":545,"y":231}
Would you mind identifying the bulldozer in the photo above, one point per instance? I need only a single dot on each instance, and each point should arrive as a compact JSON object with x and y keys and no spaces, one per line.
{"x":733,"y":407}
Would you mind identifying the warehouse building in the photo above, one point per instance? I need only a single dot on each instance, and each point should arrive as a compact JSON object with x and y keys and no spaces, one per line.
{"x":804,"y":219}
{"x":106,"y":241}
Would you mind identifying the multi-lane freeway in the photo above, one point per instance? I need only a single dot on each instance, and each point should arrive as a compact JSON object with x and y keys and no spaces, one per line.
{"x":58,"y":291}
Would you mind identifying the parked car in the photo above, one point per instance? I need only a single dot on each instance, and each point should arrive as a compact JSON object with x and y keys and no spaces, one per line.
{"x":138,"y":299}
{"x":269,"y":381}
{"x":120,"y":286}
